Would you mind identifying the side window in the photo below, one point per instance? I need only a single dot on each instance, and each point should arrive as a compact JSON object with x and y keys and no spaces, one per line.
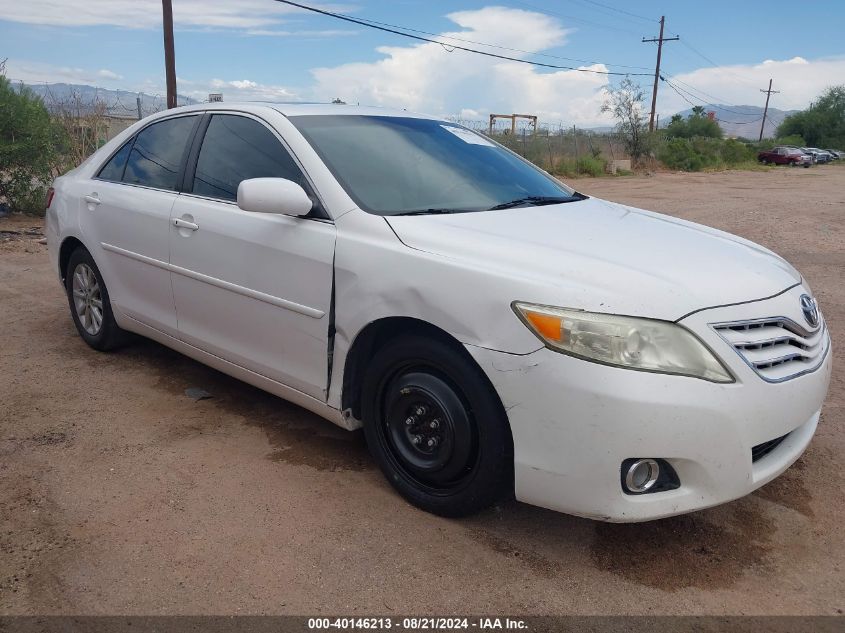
{"x":236,"y":148}
{"x":113,"y":170}
{"x":157,"y":154}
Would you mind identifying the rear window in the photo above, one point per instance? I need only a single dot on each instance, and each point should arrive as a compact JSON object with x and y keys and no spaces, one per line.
{"x":113,"y":170}
{"x":156,"y":156}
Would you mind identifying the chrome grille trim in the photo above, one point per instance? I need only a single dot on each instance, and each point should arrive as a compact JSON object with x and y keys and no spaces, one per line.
{"x":776,"y":348}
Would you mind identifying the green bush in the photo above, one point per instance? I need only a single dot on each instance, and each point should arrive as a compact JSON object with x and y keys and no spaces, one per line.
{"x":734,"y":152}
{"x":695,"y":154}
{"x":28,"y":142}
{"x":697,"y":124}
{"x":679,"y":153}
{"x":584,"y":166}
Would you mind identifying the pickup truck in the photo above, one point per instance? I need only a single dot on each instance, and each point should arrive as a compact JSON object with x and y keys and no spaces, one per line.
{"x":785,"y":156}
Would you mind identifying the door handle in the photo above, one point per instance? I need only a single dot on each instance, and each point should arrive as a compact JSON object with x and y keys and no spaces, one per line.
{"x":184,"y":224}
{"x":92,"y":199}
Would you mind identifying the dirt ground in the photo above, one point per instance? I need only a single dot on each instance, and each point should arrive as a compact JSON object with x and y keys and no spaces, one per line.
{"x":119,"y":494}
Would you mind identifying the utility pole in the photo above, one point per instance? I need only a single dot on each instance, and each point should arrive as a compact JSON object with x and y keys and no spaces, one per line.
{"x":138,"y":103}
{"x":769,"y":93}
{"x":659,"y":41}
{"x":169,"y":54}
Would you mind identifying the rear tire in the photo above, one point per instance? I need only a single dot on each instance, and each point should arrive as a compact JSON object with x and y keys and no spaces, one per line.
{"x":89,"y":303}
{"x":436,"y":427}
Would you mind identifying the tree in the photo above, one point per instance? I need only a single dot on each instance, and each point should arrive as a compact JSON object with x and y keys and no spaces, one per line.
{"x":822,"y":124}
{"x":697,"y":124}
{"x":27,"y":147}
{"x":625,"y":103}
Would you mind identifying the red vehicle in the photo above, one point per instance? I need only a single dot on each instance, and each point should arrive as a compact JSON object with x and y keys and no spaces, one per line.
{"x":785,"y":156}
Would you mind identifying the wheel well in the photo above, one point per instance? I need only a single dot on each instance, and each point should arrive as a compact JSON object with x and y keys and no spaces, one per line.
{"x":370,"y":340}
{"x":68,"y":246}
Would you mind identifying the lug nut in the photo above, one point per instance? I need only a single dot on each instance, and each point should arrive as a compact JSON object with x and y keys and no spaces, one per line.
{"x":416,"y":439}
{"x":420,"y":410}
{"x":435,"y":424}
{"x":411,"y":421}
{"x":432,"y":442}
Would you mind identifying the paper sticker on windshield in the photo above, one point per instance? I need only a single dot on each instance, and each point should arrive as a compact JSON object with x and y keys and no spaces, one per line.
{"x":468,"y":137}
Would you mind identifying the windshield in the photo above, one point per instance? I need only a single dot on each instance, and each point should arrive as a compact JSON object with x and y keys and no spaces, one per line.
{"x":397,"y":165}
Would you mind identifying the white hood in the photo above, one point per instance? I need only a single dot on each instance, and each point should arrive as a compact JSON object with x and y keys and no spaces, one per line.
{"x":606,"y":257}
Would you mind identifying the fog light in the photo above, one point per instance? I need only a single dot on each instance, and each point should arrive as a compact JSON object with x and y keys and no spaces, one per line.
{"x":641,"y":475}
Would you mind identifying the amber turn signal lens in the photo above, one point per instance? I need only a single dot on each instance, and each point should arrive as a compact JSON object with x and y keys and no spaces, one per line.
{"x":546,"y":325}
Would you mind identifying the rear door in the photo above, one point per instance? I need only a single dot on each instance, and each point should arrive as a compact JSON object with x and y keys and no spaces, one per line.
{"x":129,"y":204}
{"x":252,"y":288}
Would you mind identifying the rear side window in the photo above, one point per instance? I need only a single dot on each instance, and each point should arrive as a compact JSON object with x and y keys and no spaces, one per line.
{"x":113,"y":170}
{"x":157,"y":153}
{"x":236,"y":148}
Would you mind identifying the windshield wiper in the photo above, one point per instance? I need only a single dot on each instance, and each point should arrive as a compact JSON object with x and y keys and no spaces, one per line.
{"x":431,"y":211}
{"x":536,"y":201}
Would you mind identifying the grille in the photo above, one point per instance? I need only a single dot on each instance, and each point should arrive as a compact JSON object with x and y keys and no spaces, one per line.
{"x":778,"y":348}
{"x":761,"y":450}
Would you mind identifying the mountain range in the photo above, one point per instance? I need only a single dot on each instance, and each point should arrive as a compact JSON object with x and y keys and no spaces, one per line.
{"x":742,"y":121}
{"x":735,"y":121}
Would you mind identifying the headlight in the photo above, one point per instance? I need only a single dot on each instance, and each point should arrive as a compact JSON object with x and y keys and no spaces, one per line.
{"x":630,"y":342}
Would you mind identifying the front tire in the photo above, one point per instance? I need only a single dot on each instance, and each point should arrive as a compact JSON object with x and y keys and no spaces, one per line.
{"x":89,"y":303}
{"x":436,"y":427}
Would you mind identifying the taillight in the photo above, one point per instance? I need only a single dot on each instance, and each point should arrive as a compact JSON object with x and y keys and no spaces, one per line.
{"x":50,"y":193}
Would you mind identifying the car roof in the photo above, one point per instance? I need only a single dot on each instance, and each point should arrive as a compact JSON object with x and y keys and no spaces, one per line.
{"x":300,"y":109}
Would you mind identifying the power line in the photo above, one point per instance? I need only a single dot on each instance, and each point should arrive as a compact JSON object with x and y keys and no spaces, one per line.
{"x":570,"y":17}
{"x":628,"y":13}
{"x":347,"y":18}
{"x":718,"y":99}
{"x":500,"y":47}
{"x":703,"y":101}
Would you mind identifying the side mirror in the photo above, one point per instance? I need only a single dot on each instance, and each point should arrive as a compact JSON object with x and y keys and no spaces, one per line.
{"x":273,"y":195}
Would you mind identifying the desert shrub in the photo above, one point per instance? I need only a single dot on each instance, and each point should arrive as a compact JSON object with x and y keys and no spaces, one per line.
{"x":679,"y":153}
{"x":697,"y":124}
{"x":733,"y":152}
{"x":695,"y":154}
{"x":28,"y":148}
{"x":584,"y":166}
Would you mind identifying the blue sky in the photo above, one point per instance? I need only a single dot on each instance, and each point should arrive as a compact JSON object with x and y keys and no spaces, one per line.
{"x":261,"y":49}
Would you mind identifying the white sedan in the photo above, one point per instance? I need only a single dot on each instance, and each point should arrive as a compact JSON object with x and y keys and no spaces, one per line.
{"x":492,"y":330}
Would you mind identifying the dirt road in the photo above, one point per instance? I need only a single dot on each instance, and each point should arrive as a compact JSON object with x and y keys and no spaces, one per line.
{"x":121,"y":495}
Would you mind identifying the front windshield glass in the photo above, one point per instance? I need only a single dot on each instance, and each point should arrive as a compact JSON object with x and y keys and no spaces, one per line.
{"x":397,"y":165}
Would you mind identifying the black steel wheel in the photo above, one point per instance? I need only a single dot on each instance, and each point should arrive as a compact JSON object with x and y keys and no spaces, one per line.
{"x":436,"y":427}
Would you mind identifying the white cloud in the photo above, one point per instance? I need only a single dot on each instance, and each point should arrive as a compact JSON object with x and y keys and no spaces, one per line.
{"x":36,"y":72}
{"x":426,"y":77}
{"x":799,"y":81}
{"x":108,"y":75}
{"x":236,"y":90}
{"x":243,"y":14}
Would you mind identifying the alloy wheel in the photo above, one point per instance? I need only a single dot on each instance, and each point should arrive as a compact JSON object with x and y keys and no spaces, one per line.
{"x":87,"y":299}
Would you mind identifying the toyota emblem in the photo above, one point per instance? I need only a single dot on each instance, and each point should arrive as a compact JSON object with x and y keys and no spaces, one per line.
{"x":810,"y":309}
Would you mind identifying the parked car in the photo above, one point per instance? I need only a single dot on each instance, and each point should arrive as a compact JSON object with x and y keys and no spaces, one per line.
{"x":782,"y":155}
{"x":819,"y":155}
{"x":835,"y":154}
{"x":493,"y":330}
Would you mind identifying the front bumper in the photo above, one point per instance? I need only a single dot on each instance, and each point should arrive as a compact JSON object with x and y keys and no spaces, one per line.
{"x":574,"y":422}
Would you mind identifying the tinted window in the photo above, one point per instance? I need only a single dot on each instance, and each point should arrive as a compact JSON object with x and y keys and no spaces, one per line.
{"x":113,"y":170}
{"x":157,"y":153}
{"x":391,"y":165}
{"x":236,"y":148}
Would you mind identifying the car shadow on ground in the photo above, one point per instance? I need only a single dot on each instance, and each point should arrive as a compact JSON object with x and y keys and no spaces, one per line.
{"x":711,"y":548}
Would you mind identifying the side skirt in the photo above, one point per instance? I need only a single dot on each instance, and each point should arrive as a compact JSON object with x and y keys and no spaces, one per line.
{"x":241,"y":373}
